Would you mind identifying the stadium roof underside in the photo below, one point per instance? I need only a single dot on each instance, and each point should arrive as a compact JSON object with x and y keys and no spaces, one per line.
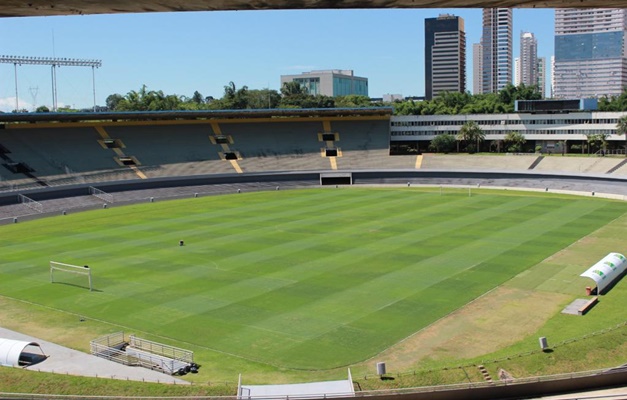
{"x":30,"y":8}
{"x":194,"y":115}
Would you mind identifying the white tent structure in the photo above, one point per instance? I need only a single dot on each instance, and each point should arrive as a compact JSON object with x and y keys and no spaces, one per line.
{"x":604,"y":272}
{"x":13,"y":352}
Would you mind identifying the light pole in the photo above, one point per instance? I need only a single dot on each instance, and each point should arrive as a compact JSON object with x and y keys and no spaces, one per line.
{"x":54,"y":62}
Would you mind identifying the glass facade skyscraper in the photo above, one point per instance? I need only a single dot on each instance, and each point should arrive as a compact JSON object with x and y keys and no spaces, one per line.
{"x":590,"y":54}
{"x":497,"y":49}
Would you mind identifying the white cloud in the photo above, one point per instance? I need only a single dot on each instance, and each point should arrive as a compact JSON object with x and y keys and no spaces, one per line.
{"x":7,"y":104}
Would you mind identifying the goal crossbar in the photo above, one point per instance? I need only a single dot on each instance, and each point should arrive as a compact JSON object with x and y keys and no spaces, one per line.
{"x":73,"y":269}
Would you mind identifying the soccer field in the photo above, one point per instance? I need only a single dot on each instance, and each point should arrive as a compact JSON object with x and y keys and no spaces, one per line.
{"x":304,"y":279}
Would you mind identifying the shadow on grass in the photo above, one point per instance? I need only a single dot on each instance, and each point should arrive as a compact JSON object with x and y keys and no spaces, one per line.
{"x":78,"y":286}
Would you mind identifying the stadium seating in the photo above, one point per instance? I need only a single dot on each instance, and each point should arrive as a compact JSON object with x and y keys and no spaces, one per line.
{"x":77,"y":155}
{"x":477,"y":162}
{"x":586,"y":165}
{"x":277,"y":146}
{"x":56,"y":151}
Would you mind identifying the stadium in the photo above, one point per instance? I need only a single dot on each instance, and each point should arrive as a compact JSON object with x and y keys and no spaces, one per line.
{"x":289,"y":246}
{"x":276,"y":254}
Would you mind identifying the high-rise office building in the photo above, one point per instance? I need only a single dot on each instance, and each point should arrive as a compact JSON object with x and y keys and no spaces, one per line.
{"x":552,"y":76}
{"x":445,"y":55}
{"x":517,"y":76}
{"x":497,"y":48}
{"x":590,"y":52}
{"x":542,"y":76}
{"x":528,"y":59}
{"x":477,"y":68}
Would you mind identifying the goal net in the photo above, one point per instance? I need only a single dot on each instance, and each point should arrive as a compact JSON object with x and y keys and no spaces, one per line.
{"x":59,"y":271}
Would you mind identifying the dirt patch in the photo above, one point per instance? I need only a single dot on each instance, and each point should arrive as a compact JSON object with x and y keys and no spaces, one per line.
{"x":498,"y":319}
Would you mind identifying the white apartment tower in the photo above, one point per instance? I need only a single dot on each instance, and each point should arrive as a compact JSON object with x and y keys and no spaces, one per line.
{"x":528,"y":59}
{"x":497,"y":49}
{"x":477,"y":68}
{"x":552,"y":76}
{"x":590,"y":52}
{"x":517,"y":77}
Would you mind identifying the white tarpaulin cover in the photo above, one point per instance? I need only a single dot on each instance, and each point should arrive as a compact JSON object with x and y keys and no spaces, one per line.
{"x":606,"y":270}
{"x":298,"y":390}
{"x":11,"y":350}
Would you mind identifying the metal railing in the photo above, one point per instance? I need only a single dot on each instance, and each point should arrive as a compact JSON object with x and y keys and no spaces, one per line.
{"x":30,"y":203}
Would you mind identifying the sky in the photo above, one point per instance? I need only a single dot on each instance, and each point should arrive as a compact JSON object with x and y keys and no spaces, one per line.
{"x":182,"y":52}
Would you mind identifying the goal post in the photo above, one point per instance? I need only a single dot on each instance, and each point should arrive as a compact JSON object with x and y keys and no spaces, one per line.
{"x":73,"y":269}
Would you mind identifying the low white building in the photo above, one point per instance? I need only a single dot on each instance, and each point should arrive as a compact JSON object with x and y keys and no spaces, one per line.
{"x":539,"y":129}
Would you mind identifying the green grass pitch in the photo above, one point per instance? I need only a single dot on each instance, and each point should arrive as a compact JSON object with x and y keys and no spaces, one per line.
{"x":303,"y":279}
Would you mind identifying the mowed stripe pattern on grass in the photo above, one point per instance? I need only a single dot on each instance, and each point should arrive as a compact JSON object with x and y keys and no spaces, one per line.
{"x":308,"y":279}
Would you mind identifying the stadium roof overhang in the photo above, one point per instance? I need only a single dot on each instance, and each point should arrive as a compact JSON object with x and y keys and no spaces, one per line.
{"x":30,"y":8}
{"x":11,"y":351}
{"x":33,"y":118}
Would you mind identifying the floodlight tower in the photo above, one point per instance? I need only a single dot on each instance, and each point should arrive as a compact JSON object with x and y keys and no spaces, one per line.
{"x":54,"y":62}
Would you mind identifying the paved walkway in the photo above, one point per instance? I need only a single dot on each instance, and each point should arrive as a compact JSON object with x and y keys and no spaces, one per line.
{"x":62,"y":360}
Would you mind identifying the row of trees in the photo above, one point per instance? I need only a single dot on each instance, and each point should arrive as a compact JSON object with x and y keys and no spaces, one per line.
{"x":452,"y":103}
{"x":292,"y":95}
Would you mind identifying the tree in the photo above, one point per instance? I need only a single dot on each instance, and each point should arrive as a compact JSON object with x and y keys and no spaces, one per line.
{"x":234,"y":99}
{"x":442,"y":143}
{"x":263,"y":98}
{"x":598,"y":141}
{"x":42,"y":109}
{"x":113,"y":100}
{"x":353,"y":101}
{"x":621,"y":129}
{"x":515,"y":141}
{"x":496,"y":145}
{"x":294,"y":95}
{"x":197,"y":98}
{"x":293,"y":88}
{"x":472,"y":135}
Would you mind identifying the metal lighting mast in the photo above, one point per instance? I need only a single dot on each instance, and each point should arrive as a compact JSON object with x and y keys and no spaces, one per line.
{"x":54,"y":62}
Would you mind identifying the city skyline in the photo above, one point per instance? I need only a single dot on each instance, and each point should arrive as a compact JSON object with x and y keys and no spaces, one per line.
{"x":183,"y":52}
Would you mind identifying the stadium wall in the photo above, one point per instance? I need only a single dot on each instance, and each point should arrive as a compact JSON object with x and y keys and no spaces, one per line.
{"x":612,"y":184}
{"x":543,"y":386}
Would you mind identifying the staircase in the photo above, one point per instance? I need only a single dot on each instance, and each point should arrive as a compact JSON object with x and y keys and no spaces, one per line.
{"x":485,"y":373}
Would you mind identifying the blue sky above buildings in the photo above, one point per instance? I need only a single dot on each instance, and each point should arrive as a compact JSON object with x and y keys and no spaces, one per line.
{"x":183,"y":52}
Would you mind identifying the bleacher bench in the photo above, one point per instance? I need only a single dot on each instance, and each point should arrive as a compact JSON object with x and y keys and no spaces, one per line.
{"x":586,"y":307}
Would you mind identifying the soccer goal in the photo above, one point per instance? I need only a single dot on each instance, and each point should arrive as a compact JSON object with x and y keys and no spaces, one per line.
{"x":69,"y":268}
